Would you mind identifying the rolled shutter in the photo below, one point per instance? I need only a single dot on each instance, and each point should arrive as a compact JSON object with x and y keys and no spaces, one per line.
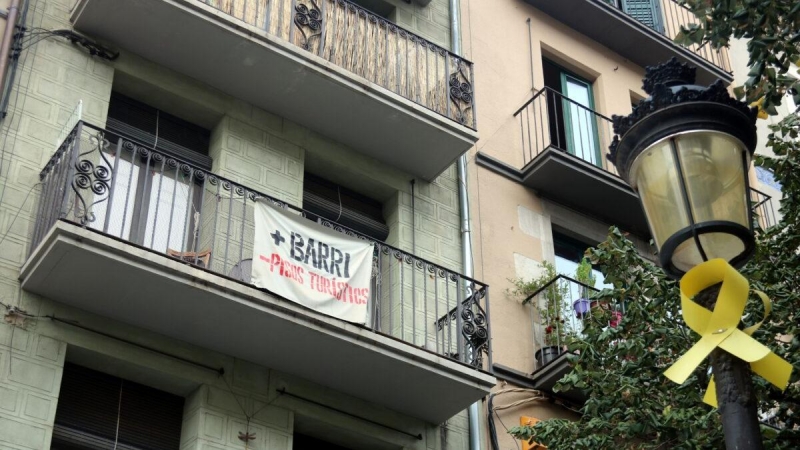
{"x":326,"y":200}
{"x":91,"y":402}
{"x":160,"y":130}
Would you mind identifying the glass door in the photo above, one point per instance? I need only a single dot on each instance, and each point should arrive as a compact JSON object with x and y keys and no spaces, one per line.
{"x":150,"y":206}
{"x":580,"y":119}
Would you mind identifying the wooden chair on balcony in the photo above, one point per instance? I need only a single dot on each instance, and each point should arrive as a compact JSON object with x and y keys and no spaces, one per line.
{"x":201,"y":259}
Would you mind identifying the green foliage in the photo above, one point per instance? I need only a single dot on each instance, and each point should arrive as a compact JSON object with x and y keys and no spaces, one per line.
{"x":776,"y":271}
{"x":583,"y":273}
{"x":630,"y":403}
{"x":772,"y":29}
{"x":525,"y":288}
{"x":551,"y":302}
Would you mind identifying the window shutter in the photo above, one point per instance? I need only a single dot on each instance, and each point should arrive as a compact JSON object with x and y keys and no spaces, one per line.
{"x":89,"y":404}
{"x":86,"y":415}
{"x":332,"y":202}
{"x":645,"y":11}
{"x":160,"y":130}
{"x":149,"y":418}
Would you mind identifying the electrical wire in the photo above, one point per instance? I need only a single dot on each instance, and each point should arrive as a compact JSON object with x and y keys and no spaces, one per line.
{"x":24,"y":42}
{"x":493,"y":411}
{"x":119,"y":413}
{"x":17,"y":108}
{"x":520,"y":402}
{"x":3,"y":238}
{"x":505,"y":427}
{"x":245,"y":437}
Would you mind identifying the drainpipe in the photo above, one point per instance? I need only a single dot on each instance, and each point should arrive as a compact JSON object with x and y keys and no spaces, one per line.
{"x":8,"y":38}
{"x":474,"y":411}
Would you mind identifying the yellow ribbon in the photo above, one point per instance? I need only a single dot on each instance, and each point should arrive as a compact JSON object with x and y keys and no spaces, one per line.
{"x":762,"y":114}
{"x":718,"y":328}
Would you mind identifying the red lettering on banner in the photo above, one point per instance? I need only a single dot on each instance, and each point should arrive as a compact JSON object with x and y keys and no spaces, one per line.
{"x":340,"y":290}
{"x":285,"y":268}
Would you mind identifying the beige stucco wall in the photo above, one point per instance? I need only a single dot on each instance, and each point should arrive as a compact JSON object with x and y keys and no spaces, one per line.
{"x":496,"y":37}
{"x":512,"y":226}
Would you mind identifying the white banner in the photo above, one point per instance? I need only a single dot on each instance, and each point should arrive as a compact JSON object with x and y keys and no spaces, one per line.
{"x":312,"y":265}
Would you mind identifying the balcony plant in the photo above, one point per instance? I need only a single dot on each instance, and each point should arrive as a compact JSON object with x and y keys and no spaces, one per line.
{"x":552,"y":307}
{"x":583,"y":275}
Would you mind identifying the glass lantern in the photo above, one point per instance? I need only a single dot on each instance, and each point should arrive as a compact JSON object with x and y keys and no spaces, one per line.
{"x":694,"y":190}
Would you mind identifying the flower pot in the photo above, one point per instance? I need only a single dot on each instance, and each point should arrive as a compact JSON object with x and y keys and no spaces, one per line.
{"x":546,"y":354}
{"x":582,"y":307}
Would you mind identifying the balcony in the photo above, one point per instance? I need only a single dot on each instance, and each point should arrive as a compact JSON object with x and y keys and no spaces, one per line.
{"x":329,"y":65}
{"x":561,"y":307}
{"x":563,"y":146}
{"x":764,"y":213}
{"x":128,"y":233}
{"x":641,"y":31}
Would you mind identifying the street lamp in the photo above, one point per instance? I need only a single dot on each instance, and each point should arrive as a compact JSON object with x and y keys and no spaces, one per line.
{"x":686,"y":151}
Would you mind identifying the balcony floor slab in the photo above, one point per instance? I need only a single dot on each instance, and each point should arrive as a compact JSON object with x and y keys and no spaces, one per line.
{"x":106,"y":276}
{"x":577,"y":184}
{"x":244,"y":61}
{"x":625,"y":35}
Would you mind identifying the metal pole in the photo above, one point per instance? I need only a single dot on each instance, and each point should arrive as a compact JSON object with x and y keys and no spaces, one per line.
{"x":474,"y":411}
{"x":736,"y":399}
{"x":8,"y":38}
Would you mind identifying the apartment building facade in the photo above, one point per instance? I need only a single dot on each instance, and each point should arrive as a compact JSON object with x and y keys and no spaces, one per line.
{"x":140,"y":135}
{"x":550,"y":76}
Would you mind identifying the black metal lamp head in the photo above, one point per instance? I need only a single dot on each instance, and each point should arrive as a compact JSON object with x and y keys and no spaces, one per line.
{"x":686,"y":150}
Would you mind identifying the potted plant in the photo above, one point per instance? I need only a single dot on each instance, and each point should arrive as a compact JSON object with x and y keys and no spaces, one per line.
{"x":584,"y":275}
{"x":552,"y":309}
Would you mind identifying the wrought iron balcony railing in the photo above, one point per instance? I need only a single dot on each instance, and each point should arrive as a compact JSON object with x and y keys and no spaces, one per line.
{"x":369,"y":46}
{"x":560,"y":308}
{"x":763,"y":211}
{"x":552,"y":120}
{"x":666,"y":17}
{"x":122,"y":188}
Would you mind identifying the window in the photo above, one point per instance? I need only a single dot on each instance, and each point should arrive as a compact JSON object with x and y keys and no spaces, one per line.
{"x":97,"y":411}
{"x":378,"y":7}
{"x":573,"y":122}
{"x":158,"y":129}
{"x":325,"y":200}
{"x":569,"y":253}
{"x":645,"y":11}
{"x":153,"y":204}
{"x":305,"y":442}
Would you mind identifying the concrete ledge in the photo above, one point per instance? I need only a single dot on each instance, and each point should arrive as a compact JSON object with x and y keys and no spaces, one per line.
{"x":248,"y":63}
{"x":109,"y":277}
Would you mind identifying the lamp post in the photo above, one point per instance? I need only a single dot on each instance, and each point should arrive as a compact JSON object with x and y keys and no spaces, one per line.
{"x":686,"y":151}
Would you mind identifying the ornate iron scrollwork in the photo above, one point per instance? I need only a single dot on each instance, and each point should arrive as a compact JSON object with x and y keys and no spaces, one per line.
{"x":91,"y":176}
{"x":474,"y":328}
{"x":460,"y":91}
{"x":308,"y":21}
